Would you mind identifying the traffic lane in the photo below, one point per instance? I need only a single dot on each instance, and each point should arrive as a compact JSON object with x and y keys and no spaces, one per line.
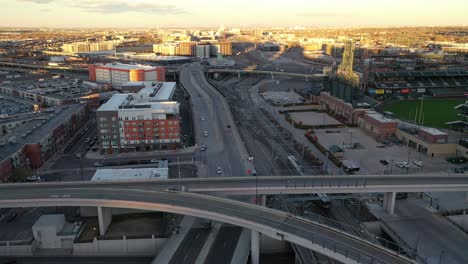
{"x":284,"y":223}
{"x":232,"y":162}
{"x":189,"y":249}
{"x":224,"y":246}
{"x":215,"y":155}
{"x":261,"y":182}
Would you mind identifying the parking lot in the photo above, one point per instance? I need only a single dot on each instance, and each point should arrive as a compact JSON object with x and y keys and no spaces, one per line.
{"x":10,"y":106}
{"x":370,"y":154}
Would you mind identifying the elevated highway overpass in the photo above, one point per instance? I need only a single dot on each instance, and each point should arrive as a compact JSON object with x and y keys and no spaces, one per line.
{"x":279,"y":184}
{"x":266,"y":72}
{"x":280,"y":225}
{"x":387,"y":184}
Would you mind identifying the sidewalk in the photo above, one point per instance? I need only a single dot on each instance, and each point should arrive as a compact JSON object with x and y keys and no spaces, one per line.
{"x":98,"y":156}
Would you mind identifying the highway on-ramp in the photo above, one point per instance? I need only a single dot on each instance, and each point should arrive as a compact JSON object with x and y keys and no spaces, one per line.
{"x":328,"y":241}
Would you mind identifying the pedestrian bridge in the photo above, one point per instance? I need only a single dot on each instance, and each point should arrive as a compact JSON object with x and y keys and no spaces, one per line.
{"x":333,"y":243}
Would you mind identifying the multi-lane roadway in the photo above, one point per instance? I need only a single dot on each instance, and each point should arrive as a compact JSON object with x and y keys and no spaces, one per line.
{"x":273,"y":184}
{"x":328,"y":241}
{"x":213,"y":127}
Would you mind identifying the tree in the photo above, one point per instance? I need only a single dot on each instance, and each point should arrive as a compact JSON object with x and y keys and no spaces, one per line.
{"x":20,"y":174}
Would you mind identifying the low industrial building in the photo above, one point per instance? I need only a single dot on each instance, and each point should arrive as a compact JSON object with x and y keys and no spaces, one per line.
{"x":162,"y":172}
{"x":429,"y":141}
{"x":377,"y":125}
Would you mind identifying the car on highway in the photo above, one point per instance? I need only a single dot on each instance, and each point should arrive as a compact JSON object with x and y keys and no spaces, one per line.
{"x":203,"y":118}
{"x":418,"y":163}
{"x":97,"y":164}
{"x":402,"y":165}
{"x":203,"y":148}
{"x":205,"y":133}
{"x":33,"y":178}
{"x":219,"y":171}
{"x":78,"y":155}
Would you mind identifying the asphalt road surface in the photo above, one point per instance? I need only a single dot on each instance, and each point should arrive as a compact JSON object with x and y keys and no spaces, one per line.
{"x":265,"y":220}
{"x":212,"y":126}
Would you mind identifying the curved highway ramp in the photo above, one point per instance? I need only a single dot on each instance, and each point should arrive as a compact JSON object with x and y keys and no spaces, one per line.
{"x":328,"y":241}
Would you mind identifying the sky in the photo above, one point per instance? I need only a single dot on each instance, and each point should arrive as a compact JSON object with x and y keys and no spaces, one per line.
{"x":231,"y":13}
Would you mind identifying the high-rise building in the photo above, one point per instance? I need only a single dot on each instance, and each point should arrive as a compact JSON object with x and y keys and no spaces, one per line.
{"x":203,"y":51}
{"x":225,"y":48}
{"x":187,"y":48}
{"x":117,"y":73}
{"x":139,"y":121}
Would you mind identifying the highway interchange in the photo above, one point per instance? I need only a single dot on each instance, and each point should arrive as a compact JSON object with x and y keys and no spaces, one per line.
{"x":333,"y":243}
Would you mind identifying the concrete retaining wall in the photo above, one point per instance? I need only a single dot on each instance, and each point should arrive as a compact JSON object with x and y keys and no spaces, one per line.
{"x":133,"y":247}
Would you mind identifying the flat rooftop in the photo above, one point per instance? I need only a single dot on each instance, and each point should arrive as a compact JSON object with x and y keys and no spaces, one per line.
{"x":130,"y":174}
{"x":126,"y":66}
{"x":433,"y":131}
{"x":379,"y":117}
{"x":155,"y":91}
{"x":130,"y":102}
{"x":60,"y":88}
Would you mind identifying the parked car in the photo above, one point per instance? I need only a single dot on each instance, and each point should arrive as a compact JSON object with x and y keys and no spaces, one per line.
{"x":154,"y":161}
{"x":97,"y":164}
{"x":418,"y":163}
{"x":384,"y":162}
{"x":78,"y":155}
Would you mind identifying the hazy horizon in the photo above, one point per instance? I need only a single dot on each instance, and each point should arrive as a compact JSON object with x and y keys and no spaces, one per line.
{"x":241,"y":13}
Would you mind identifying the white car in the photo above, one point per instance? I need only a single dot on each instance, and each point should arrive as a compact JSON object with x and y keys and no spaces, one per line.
{"x":154,"y":161}
{"x":203,"y":118}
{"x":205,"y":134}
{"x":219,"y":171}
{"x":97,"y":164}
{"x":203,"y":148}
{"x":418,"y":163}
{"x":78,"y":155}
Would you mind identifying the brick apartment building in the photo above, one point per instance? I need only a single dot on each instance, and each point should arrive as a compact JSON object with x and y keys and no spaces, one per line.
{"x":141,"y":121}
{"x":34,"y":142}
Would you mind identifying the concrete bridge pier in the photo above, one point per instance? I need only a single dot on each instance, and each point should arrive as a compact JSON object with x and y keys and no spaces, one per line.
{"x":254,"y":247}
{"x":389,"y":202}
{"x":104,"y":219}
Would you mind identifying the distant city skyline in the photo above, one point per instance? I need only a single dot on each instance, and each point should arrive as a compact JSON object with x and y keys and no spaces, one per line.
{"x":240,"y":13}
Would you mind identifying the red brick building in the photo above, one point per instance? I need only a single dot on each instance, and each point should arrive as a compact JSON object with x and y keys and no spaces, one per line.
{"x":377,"y":125}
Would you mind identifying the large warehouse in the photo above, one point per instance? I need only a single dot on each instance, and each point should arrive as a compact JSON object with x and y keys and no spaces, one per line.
{"x":117,"y":73}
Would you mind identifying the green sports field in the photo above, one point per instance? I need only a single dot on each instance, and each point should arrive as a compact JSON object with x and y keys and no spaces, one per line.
{"x":436,"y":112}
